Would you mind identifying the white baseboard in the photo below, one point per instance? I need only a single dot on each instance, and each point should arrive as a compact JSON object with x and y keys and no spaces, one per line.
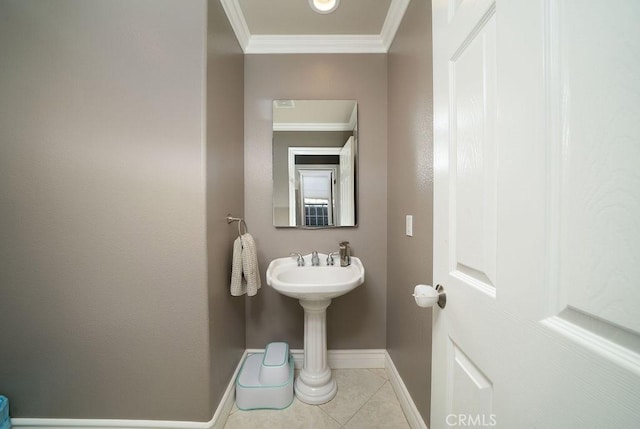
{"x":414,"y":418}
{"x":27,"y":423}
{"x":228,"y":399}
{"x":217,"y":421}
{"x":338,"y":359}
{"x":341,"y":359}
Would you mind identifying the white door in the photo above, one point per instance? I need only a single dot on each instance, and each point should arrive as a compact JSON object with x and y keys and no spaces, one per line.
{"x":347,"y":191}
{"x":316,"y":196}
{"x":537,"y":214}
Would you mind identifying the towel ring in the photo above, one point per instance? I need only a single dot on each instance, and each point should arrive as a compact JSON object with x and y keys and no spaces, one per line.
{"x":240,"y":222}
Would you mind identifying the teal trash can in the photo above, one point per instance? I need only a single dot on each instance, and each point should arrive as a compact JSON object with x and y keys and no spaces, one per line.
{"x":5,"y":421}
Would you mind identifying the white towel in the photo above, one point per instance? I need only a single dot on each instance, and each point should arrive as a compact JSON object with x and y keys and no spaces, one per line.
{"x":245,"y":275}
{"x":236,"y":269}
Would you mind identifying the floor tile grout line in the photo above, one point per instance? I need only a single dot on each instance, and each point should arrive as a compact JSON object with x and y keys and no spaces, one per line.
{"x":367,"y":399}
{"x":329,"y":415}
{"x":370,"y":396}
{"x":383,"y":380}
{"x":365,"y":403}
{"x":380,"y":377}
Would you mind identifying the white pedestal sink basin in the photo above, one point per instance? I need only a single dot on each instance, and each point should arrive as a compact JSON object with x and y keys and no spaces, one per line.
{"x":314,"y":287}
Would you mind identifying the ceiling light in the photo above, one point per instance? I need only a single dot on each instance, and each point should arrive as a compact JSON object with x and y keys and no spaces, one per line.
{"x":324,"y":6}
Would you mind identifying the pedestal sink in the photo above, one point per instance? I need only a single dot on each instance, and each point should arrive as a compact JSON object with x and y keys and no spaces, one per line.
{"x":314,"y":287}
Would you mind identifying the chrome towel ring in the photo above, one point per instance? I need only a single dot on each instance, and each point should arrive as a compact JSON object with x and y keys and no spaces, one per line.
{"x":240,"y":223}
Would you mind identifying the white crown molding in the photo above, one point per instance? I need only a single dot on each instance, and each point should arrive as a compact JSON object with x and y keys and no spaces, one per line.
{"x":353,"y":119}
{"x":237,"y":21}
{"x":396,"y":12}
{"x":315,"y":43}
{"x":312,"y":126}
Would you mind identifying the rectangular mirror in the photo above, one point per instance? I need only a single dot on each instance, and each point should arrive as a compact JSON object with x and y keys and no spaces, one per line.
{"x":315,"y":151}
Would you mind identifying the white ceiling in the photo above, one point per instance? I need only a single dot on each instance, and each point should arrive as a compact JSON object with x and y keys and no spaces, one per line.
{"x":314,"y":115}
{"x":290,"y":26}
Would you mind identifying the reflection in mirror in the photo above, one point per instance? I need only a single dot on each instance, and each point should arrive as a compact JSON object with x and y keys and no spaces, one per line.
{"x":315,"y":163}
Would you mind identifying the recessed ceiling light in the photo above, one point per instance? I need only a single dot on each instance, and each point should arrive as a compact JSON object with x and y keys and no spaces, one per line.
{"x":324,"y":6}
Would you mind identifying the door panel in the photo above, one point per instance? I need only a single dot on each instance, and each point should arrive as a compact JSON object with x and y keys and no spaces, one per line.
{"x":471,"y":390}
{"x":347,"y":185}
{"x":537,"y":214}
{"x":473,"y":188}
{"x":600,"y":175}
{"x":595,"y":174}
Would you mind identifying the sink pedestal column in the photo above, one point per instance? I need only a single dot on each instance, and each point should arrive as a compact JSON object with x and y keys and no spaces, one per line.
{"x":315,"y":385}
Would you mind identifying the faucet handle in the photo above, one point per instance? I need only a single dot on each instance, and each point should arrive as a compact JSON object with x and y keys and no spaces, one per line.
{"x":315,"y":260}
{"x":300,"y":258}
{"x":330,"y":257}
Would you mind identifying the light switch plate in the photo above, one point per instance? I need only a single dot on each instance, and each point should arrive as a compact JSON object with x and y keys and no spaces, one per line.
{"x":409,"y":225}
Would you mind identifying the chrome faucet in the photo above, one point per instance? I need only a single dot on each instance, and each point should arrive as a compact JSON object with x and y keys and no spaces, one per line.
{"x":330,"y":257}
{"x":315,"y":260}
{"x":345,"y":254}
{"x":300,"y":258}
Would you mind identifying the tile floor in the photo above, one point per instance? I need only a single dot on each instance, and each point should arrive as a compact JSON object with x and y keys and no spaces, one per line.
{"x":365,"y":399}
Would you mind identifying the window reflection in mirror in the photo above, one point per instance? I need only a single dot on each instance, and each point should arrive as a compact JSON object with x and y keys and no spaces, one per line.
{"x":315,"y":163}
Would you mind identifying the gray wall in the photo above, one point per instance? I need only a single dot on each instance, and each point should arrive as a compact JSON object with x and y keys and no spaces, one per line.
{"x":225,"y":194}
{"x":410,"y":192}
{"x":103,"y":269}
{"x":104,"y":182}
{"x":358,"y":319}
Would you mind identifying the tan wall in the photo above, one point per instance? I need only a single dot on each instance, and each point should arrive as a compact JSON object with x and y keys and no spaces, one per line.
{"x":410,"y":192}
{"x":102,"y":175}
{"x":358,"y":319}
{"x":225,"y":194}
{"x":103,"y":271}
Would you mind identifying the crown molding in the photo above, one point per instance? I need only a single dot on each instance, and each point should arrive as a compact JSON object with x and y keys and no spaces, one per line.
{"x":237,"y":21}
{"x":315,"y":43}
{"x":353,"y":119}
{"x":396,"y":12}
{"x":312,"y":126}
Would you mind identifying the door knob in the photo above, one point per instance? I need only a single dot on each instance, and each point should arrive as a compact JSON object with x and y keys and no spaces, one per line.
{"x":426,"y":296}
